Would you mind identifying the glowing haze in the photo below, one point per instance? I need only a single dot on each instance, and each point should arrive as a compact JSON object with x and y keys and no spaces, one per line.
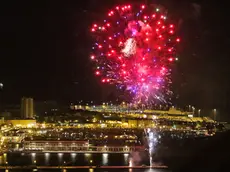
{"x":134,"y":48}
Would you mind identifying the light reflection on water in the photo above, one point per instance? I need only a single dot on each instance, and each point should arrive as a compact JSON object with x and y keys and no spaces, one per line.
{"x":60,"y":158}
{"x":73,"y":157}
{"x":126,"y":158}
{"x":70,"y":159}
{"x":47,"y":158}
{"x":102,"y":170}
{"x":105,"y":159}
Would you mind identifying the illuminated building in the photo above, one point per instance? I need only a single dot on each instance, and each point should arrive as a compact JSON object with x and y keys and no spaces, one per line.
{"x":27,"y":108}
{"x":25,"y":123}
{"x":75,"y":146}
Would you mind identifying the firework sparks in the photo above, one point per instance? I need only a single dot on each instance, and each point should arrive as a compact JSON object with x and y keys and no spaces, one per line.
{"x":134,"y":49}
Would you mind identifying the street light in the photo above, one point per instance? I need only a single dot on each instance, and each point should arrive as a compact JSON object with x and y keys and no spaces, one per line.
{"x":193,"y":110}
{"x":199,"y":112}
{"x":214,"y":114}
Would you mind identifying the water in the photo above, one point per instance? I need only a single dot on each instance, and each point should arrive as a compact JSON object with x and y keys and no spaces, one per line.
{"x":96,"y":170}
{"x":74,"y":159}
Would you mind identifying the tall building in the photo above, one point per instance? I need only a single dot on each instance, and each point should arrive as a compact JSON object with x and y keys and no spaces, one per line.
{"x":27,"y":108}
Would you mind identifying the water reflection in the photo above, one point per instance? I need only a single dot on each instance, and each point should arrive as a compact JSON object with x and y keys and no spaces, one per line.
{"x":5,"y":158}
{"x":47,"y":158}
{"x":79,"y":159}
{"x":60,"y":158}
{"x":87,"y":154}
{"x":91,"y":170}
{"x":126,"y":158}
{"x":105,"y":159}
{"x":33,"y":158}
{"x":155,"y":170}
{"x":73,"y":157}
{"x":1,"y":160}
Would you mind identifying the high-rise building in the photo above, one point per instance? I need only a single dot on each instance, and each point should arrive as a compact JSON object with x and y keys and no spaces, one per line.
{"x":27,"y":108}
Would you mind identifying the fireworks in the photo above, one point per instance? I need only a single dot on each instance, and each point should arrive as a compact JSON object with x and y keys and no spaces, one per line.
{"x":134,"y":49}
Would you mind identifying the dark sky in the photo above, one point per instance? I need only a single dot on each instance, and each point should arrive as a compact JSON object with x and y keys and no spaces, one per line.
{"x":44,"y":49}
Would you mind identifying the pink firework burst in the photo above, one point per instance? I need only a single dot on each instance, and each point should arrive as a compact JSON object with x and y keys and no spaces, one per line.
{"x":134,"y":49}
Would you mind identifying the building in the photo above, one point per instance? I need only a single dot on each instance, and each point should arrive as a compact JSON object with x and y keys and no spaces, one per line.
{"x":25,"y":123}
{"x":75,"y":146}
{"x":27,"y":108}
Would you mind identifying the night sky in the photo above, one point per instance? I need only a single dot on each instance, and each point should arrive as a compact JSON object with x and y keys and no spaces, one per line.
{"x":45,"y":47}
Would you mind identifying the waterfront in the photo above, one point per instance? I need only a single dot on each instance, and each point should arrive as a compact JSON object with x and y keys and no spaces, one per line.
{"x":71,"y":159}
{"x":97,"y":170}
